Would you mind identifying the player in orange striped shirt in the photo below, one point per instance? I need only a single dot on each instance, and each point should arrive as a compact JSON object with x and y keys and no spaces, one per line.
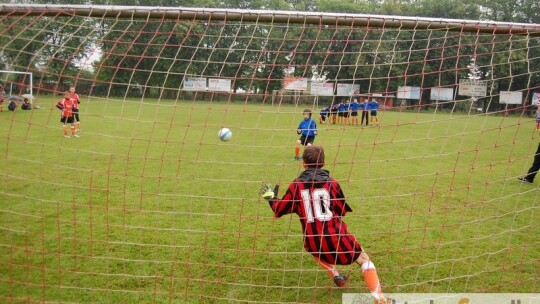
{"x":76,"y":100}
{"x":66,"y":106}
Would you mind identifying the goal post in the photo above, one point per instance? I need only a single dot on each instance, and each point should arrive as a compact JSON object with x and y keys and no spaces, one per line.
{"x":148,"y":205}
{"x":14,"y":85}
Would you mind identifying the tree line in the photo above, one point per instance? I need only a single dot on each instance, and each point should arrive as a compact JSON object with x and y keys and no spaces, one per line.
{"x":151,"y":58}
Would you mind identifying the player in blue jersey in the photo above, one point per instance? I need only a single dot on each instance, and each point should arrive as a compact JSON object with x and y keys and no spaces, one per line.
{"x":355,"y":105}
{"x":341,"y":112}
{"x":307,"y":129}
{"x":334,"y":112}
{"x":322,"y":115}
{"x":373,"y":107}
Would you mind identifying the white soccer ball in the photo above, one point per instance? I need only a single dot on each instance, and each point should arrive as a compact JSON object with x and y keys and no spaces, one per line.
{"x":225,"y":134}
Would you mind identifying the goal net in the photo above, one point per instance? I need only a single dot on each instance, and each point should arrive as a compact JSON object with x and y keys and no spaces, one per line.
{"x":148,"y":205}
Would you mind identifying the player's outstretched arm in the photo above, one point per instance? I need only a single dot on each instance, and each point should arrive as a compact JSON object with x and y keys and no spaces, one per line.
{"x":267,"y":192}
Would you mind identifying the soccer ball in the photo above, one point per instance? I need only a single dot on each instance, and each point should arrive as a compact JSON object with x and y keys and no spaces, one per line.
{"x":225,"y":134}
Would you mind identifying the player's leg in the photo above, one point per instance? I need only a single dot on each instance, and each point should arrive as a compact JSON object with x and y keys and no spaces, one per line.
{"x":330,"y":269}
{"x":533,"y":170}
{"x":333,"y":273}
{"x":370,"y":276}
{"x":374,"y":117}
{"x":367,"y":118}
{"x":72,"y":129}
{"x":64,"y":126}
{"x":77,"y":122}
{"x":63,"y":120}
{"x":297,"y":149}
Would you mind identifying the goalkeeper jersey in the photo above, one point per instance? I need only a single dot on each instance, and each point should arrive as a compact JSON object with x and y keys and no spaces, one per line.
{"x":66,"y":106}
{"x":76,"y":100}
{"x":319,"y":202}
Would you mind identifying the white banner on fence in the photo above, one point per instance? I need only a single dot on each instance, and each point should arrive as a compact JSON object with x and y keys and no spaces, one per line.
{"x":511,"y":97}
{"x":442,"y":94}
{"x":535,"y":99}
{"x":405,"y":92}
{"x":219,"y":85}
{"x":472,"y":87}
{"x":295,"y":84}
{"x":322,"y":89}
{"x":446,"y":298}
{"x":195,"y":84}
{"x":347,"y":89}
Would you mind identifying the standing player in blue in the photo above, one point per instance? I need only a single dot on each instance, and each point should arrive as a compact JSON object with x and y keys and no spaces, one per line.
{"x":307,"y":129}
{"x":373,"y":107}
{"x":320,"y":204}
{"x":355,"y":105}
{"x":341,"y":112}
{"x":333,"y":112}
{"x":322,"y":115}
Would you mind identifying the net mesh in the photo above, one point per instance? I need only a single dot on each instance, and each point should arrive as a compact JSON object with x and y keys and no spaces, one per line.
{"x":148,"y":205}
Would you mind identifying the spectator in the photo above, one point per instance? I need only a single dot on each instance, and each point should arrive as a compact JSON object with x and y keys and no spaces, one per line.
{"x":13,"y":103}
{"x":26,"y":105}
{"x":531,"y":174}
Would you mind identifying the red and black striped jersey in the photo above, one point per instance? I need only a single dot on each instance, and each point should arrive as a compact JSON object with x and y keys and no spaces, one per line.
{"x":320,"y":204}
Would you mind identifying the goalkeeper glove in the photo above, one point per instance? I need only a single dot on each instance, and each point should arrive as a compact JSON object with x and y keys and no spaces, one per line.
{"x":267,"y":192}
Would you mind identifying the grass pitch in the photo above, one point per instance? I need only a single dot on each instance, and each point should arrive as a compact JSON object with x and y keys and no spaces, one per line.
{"x":148,"y":206}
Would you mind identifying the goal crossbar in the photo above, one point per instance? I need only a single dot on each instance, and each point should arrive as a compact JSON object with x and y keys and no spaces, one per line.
{"x":342,"y":19}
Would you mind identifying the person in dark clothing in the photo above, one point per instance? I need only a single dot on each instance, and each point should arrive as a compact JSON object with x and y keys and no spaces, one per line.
{"x":531,"y":174}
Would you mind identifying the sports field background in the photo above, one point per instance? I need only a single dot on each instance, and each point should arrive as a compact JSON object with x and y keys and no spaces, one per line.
{"x":148,"y":206}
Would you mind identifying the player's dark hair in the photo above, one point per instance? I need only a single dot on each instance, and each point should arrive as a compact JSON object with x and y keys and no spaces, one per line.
{"x":313,"y":156}
{"x":308,"y":111}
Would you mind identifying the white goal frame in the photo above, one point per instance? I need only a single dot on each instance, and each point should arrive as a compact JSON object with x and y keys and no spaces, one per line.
{"x":30,"y":95}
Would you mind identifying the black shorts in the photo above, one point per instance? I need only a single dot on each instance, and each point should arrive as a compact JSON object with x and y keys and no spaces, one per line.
{"x":354,"y":113}
{"x":66,"y":119}
{"x":373,"y":113}
{"x":76,"y":114}
{"x":305,"y":140}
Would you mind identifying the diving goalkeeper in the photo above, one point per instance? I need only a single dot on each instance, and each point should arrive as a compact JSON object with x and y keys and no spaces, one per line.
{"x":320,"y":204}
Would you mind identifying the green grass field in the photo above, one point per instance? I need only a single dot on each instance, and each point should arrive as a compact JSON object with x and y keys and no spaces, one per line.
{"x":148,"y":206}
